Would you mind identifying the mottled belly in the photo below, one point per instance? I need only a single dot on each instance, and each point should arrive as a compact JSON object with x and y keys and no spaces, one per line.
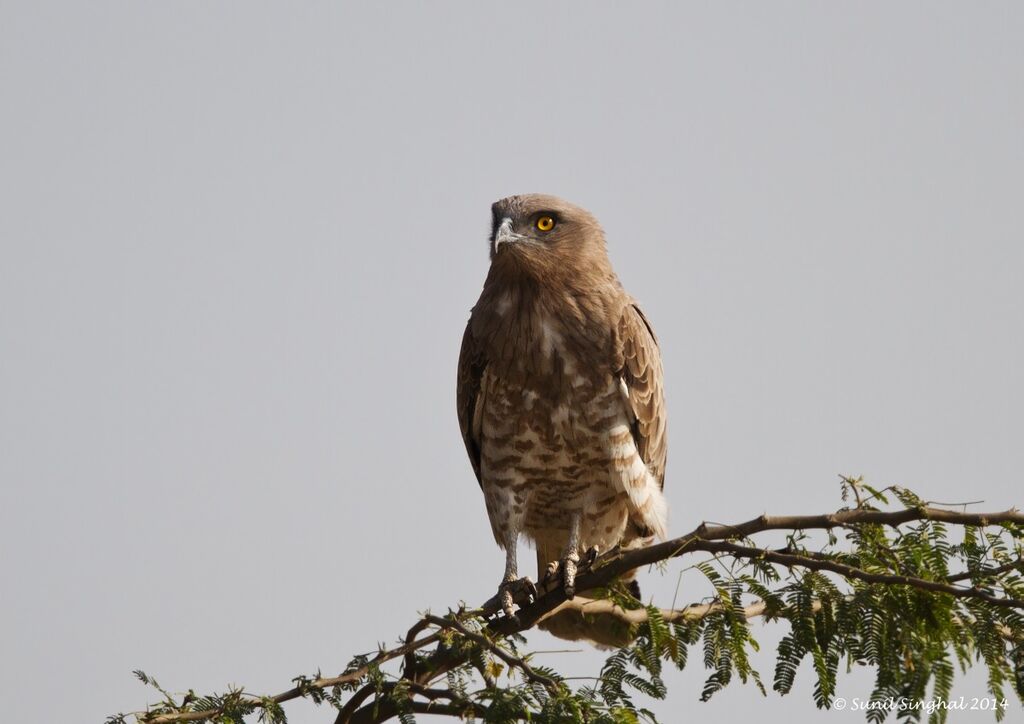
{"x":543,"y":462}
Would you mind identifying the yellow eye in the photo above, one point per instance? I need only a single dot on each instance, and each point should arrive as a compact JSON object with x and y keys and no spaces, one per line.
{"x":545,"y":223}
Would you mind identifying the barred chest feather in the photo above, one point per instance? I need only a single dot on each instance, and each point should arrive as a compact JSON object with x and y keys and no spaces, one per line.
{"x":556,"y":441}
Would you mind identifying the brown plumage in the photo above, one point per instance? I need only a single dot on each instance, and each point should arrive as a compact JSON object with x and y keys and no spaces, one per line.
{"x":560,"y":398}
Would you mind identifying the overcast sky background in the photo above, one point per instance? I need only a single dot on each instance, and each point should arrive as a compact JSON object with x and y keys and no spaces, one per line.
{"x":240,"y":242}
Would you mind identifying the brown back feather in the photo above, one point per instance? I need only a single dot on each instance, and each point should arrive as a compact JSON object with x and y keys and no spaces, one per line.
{"x":638,"y":359}
{"x":472,"y":364}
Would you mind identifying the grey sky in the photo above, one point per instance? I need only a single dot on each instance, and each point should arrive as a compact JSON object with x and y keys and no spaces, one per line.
{"x":240,"y":242}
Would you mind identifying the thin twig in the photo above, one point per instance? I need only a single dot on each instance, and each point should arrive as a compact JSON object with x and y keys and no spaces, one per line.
{"x":299,"y":691}
{"x":981,"y":573}
{"x":511,"y":660}
{"x":820,"y":564}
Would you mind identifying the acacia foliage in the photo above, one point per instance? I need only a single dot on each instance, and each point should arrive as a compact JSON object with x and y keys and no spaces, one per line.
{"x":912,"y":636}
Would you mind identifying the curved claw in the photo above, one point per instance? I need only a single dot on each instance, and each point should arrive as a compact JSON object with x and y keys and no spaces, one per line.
{"x":531,"y":587}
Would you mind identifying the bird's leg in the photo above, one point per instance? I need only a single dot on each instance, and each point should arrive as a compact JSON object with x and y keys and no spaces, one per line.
{"x":511,"y":572}
{"x":513,"y":587}
{"x":571,"y":555}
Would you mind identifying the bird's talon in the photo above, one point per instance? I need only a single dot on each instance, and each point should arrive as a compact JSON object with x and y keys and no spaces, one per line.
{"x":506,"y":601}
{"x":517,"y":591}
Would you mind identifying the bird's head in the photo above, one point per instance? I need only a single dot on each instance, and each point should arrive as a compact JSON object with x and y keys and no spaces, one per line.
{"x":544,"y":234}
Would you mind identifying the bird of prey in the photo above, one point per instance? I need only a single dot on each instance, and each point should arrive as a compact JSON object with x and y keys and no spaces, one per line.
{"x":560,"y":398}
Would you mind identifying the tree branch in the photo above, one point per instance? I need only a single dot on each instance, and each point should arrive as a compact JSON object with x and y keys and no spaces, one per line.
{"x":596,"y":606}
{"x":419,"y":671}
{"x":821,"y":564}
{"x":1017,"y":565}
{"x":318,"y":684}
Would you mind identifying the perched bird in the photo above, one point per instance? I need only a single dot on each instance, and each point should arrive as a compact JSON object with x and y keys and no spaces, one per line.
{"x":560,"y":400}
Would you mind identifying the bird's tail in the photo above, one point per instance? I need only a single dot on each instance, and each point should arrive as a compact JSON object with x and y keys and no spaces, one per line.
{"x":604,"y":630}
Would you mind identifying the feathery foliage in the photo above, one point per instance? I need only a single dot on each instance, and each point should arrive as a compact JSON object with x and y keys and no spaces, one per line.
{"x":909,"y":594}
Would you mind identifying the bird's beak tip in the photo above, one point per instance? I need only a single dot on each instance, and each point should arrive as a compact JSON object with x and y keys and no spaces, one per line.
{"x":504,"y":234}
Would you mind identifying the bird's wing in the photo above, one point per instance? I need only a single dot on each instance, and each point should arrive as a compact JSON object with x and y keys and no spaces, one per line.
{"x":468,"y":396}
{"x":639,"y":368}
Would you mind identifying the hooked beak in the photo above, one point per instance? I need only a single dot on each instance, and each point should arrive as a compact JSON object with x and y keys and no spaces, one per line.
{"x":504,"y":234}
